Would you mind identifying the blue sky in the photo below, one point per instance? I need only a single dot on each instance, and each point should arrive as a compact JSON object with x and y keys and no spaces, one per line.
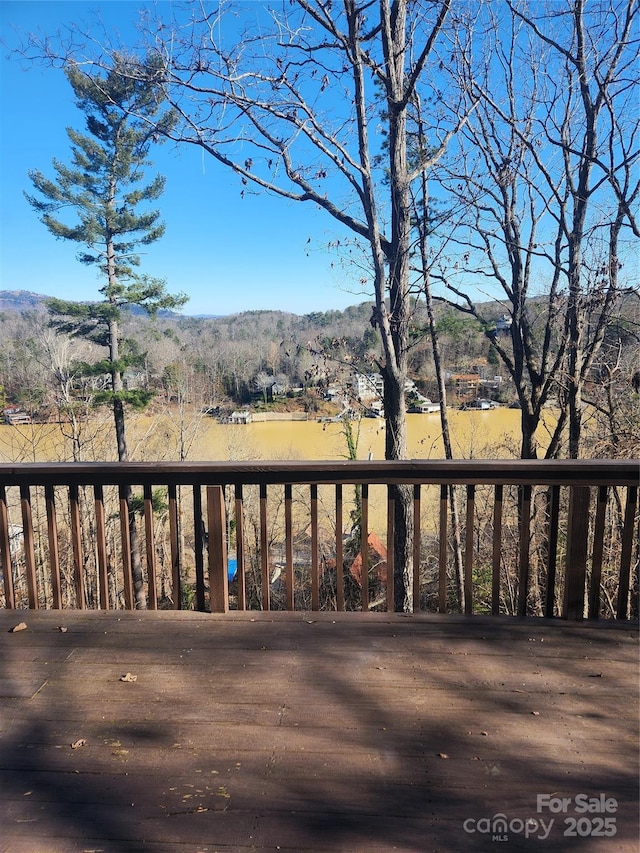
{"x":228,"y":254}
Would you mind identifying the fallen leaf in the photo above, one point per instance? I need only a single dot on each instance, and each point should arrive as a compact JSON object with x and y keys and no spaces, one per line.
{"x":62,"y":629}
{"x":78,"y":743}
{"x":442,"y":755}
{"x":128,"y":677}
{"x":21,"y":626}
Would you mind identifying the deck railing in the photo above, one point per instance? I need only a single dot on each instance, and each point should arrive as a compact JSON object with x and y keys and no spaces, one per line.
{"x":546,"y":538}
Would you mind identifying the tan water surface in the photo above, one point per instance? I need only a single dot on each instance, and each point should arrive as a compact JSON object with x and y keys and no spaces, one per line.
{"x":475,"y":434}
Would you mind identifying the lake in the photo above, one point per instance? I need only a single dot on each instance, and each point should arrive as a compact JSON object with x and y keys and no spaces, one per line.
{"x":475,"y":434}
{"x":493,"y":434}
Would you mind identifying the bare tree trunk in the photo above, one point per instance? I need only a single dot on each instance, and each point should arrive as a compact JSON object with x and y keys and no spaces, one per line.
{"x":121,"y":439}
{"x":423,"y":230}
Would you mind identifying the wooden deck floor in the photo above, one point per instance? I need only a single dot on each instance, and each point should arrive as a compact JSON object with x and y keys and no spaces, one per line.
{"x":358,"y":733}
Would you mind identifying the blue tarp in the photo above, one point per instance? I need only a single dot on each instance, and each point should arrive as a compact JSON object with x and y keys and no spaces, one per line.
{"x":232,"y":569}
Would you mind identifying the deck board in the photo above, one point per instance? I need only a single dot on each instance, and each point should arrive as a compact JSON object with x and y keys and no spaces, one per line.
{"x":309,"y":732}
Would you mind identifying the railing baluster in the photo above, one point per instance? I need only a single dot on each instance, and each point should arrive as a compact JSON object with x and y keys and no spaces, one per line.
{"x":598,"y":551}
{"x":5,"y":552}
{"x":627,"y":548}
{"x":416,"y":549}
{"x":76,"y":541}
{"x":315,"y":569}
{"x":123,"y":493}
{"x":242,"y":589}
{"x":29,"y":548}
{"x":339,"y":551}
{"x":198,"y":544}
{"x":54,"y":556}
{"x":174,"y":540}
{"x":576,"y":565}
{"x":552,"y":557}
{"x":264,"y":550}
{"x":442,"y":550}
{"x":217,"y":547}
{"x":468,"y":551}
{"x":391,"y":518}
{"x":497,"y":549}
{"x":364,"y":545}
{"x":150,"y":543}
{"x":523,"y":551}
{"x":288,"y":539}
{"x":101,"y":546}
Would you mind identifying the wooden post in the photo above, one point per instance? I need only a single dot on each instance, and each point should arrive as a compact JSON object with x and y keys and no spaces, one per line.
{"x":315,"y":567}
{"x":523,"y":560}
{"x":217,"y":547}
{"x":628,"y":538}
{"x":552,"y":557}
{"x":174,"y":541}
{"x":497,"y":550}
{"x":288,"y":538}
{"x":391,"y":574}
{"x":239,"y":504}
{"x":54,"y":559}
{"x":364,"y":545}
{"x":29,"y":548}
{"x":126,"y":546}
{"x":101,"y":546}
{"x":576,"y":567}
{"x":415,"y":598}
{"x":468,"y":551}
{"x":5,"y":552}
{"x":442,"y":551}
{"x":76,"y":539}
{"x":150,"y":546}
{"x":339,"y":550}
{"x":264,"y":550}
{"x":598,"y":549}
{"x":198,"y":539}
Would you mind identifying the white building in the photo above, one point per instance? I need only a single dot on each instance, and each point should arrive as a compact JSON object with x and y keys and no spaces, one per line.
{"x":367,"y":386}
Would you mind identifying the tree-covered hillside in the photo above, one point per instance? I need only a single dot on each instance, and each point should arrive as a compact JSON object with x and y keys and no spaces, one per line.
{"x":281,"y":361}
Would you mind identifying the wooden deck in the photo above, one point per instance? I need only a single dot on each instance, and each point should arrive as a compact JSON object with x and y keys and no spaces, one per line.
{"x":358,"y":733}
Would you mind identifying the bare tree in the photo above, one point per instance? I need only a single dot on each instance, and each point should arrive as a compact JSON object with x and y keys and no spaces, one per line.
{"x":291,"y":102}
{"x":546,"y":177}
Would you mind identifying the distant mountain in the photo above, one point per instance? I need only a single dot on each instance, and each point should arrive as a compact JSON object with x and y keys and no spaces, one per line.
{"x":20,"y":300}
{"x":25,"y":300}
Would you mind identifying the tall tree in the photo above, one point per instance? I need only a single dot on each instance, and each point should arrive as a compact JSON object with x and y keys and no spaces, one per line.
{"x":293,"y":101}
{"x":547,"y":181}
{"x":101,"y":190}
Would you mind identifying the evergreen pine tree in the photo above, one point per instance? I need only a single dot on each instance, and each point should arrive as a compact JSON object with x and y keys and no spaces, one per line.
{"x":100,"y":195}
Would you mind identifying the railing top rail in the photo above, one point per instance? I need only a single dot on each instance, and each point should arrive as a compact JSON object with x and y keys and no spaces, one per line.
{"x":424,"y":471}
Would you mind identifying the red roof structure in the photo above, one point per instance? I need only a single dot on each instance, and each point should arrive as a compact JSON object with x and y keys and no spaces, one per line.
{"x":377,"y":560}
